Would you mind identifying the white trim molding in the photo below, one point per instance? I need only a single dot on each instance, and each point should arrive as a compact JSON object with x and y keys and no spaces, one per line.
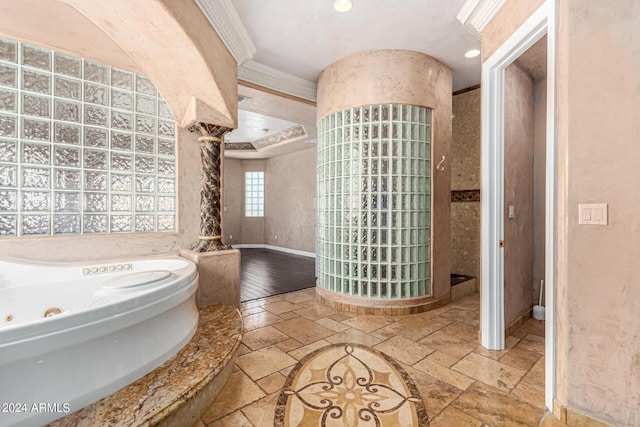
{"x":476,"y":14}
{"x":224,"y":18}
{"x":274,"y":248}
{"x":262,"y":75}
{"x":492,"y":160}
{"x":541,"y":22}
{"x":551,"y":209}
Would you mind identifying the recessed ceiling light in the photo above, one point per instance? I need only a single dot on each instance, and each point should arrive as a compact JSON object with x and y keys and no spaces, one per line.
{"x":472,"y":53}
{"x":342,"y":5}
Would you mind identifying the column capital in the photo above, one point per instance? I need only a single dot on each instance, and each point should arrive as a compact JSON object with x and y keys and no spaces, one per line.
{"x":209,"y":130}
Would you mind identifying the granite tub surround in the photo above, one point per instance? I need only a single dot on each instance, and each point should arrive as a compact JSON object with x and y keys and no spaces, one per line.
{"x":460,"y":383}
{"x":178,"y":392}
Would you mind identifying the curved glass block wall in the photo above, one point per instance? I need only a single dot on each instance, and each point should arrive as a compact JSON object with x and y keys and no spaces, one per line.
{"x":85,"y":148}
{"x":374,"y":201}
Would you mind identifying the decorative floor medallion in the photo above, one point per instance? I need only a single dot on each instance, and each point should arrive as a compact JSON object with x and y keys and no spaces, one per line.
{"x":349,"y":385}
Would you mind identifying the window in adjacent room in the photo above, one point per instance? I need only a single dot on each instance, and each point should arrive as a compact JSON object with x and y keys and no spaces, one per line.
{"x":254,"y":194}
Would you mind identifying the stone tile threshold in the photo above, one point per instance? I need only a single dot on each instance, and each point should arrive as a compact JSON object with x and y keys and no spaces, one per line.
{"x":461,"y":383}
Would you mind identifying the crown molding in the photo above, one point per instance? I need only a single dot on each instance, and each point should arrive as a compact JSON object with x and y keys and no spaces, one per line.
{"x":225,"y":20}
{"x":476,"y":14}
{"x":270,"y":78}
{"x":291,"y":134}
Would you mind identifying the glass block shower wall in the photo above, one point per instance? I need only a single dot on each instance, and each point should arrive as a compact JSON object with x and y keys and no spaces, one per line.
{"x":84,"y":147}
{"x":374,"y":201}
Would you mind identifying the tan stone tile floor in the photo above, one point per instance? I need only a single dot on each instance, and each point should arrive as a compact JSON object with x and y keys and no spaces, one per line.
{"x":461,"y":383}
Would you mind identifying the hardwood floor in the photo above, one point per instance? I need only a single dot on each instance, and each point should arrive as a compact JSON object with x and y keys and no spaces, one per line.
{"x":266,"y":272}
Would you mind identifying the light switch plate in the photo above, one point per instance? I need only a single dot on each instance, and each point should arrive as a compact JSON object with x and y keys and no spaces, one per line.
{"x":593,"y":214}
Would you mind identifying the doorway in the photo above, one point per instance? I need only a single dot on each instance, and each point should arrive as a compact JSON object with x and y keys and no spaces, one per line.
{"x":494,"y":210}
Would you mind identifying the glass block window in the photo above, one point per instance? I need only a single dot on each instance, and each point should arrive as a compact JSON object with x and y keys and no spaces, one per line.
{"x":254,"y":194}
{"x":84,"y":147}
{"x":374,"y":201}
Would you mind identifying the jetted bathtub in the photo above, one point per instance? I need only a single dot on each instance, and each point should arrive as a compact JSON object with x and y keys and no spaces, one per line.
{"x":70,"y":334}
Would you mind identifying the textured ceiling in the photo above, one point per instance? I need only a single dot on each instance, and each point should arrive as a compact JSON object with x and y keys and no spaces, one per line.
{"x":303,"y":37}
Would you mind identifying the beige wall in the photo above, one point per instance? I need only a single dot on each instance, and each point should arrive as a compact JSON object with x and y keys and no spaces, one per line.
{"x":539,"y":180}
{"x":465,"y":175}
{"x":518,"y":192}
{"x":30,"y":21}
{"x":598,"y":130}
{"x":233,"y":191}
{"x":597,"y":134}
{"x":290,"y":188}
{"x":510,"y":16}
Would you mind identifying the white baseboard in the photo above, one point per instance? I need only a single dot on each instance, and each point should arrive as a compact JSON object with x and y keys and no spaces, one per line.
{"x":274,"y":248}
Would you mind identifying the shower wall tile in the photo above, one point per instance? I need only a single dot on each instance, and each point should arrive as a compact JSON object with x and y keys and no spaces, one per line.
{"x":79,"y":147}
{"x":465,"y":144}
{"x":465,"y":183}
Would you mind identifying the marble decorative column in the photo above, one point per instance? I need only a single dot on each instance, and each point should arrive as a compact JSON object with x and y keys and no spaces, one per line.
{"x":218,"y":264}
{"x":211,"y":151}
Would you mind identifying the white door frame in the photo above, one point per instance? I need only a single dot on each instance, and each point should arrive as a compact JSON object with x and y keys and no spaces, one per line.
{"x":541,"y":22}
